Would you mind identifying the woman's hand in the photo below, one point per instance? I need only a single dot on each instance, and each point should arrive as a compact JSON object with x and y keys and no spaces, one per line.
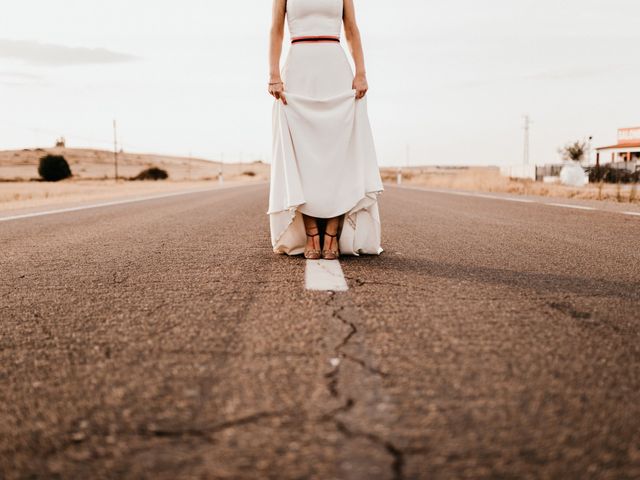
{"x":360,"y":85}
{"x":276,"y":88}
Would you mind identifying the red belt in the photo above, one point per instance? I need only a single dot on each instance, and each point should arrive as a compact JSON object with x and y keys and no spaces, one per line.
{"x":320,"y":38}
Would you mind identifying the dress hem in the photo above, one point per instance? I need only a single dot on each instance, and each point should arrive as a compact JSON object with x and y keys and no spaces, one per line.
{"x":293,"y":210}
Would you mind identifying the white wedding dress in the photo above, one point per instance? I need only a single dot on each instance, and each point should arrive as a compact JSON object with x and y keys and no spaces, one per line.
{"x":324,"y":160}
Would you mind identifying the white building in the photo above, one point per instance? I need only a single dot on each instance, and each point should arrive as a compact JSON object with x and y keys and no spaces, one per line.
{"x":518,"y":171}
{"x":625,"y":154}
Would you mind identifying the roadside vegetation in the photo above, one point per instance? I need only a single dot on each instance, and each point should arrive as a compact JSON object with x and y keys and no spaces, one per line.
{"x":152,"y":173}
{"x":489,"y":179}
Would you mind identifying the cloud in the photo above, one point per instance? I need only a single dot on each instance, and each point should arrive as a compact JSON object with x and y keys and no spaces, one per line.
{"x":45,"y":54}
{"x":20,"y":79}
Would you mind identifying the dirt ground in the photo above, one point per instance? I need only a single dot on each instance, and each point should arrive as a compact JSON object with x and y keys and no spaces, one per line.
{"x":88,"y":164}
{"x":93,"y":176}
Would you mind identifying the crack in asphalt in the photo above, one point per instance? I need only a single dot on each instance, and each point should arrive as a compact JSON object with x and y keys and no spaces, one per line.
{"x":339,"y":349}
{"x":568,"y":309}
{"x":397,"y":467}
{"x":365,"y":365}
{"x":585,"y":319}
{"x":397,"y":455}
{"x":83,"y":433}
{"x":330,"y":416}
{"x":207,"y":431}
{"x":120,"y":277}
{"x":360,"y":283}
{"x":155,"y":309}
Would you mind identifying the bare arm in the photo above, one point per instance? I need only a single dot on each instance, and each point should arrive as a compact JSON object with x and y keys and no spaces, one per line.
{"x":276,"y":87}
{"x":354,"y":42}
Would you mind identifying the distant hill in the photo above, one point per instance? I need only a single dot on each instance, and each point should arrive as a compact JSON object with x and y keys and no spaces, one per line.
{"x":98,"y":164}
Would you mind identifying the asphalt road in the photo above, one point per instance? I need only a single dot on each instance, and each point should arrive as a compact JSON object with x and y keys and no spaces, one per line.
{"x":163,"y":340}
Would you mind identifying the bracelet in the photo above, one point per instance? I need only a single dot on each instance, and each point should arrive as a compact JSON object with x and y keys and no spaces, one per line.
{"x":275,"y":83}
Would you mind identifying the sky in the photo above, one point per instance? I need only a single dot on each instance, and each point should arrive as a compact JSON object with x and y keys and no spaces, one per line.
{"x":449,"y":81}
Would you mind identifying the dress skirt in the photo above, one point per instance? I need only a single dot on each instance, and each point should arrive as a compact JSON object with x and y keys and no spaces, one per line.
{"x":324,"y":160}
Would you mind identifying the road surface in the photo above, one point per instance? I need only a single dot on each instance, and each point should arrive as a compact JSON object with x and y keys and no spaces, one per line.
{"x":162,"y":339}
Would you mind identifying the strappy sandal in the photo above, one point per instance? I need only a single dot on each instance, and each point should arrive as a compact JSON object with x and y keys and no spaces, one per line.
{"x":330,"y":254}
{"x":312,"y":253}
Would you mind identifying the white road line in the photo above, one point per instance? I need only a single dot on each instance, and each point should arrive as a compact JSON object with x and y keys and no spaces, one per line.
{"x":519,"y":200}
{"x":568,"y":205}
{"x":115,"y":202}
{"x":476,"y":195}
{"x":511,"y":199}
{"x":484,"y":195}
{"x":469,"y":194}
{"x":466,"y":194}
{"x":325,"y":275}
{"x":508,"y":199}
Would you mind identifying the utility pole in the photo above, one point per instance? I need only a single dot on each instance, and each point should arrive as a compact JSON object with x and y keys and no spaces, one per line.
{"x":115,"y":148}
{"x":408,"y":155}
{"x":527,"y":128}
{"x":189,"y":166}
{"x":220,"y":172}
{"x":588,"y":153}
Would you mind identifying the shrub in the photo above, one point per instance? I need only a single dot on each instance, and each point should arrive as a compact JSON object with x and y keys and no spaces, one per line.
{"x":249,"y":173}
{"x":608,"y":174}
{"x":152,"y":173}
{"x":53,"y":168}
{"x":574,"y":151}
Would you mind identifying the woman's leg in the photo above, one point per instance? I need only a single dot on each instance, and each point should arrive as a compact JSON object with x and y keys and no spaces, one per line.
{"x":333,"y":224}
{"x":331,"y":235}
{"x":311,"y":226}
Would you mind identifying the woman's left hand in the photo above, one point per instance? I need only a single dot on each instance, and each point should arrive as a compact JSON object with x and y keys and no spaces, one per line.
{"x":360,"y":85}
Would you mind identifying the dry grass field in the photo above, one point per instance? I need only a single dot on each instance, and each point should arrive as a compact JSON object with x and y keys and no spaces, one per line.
{"x":88,"y":164}
{"x":93,"y":173}
{"x":488,"y":179}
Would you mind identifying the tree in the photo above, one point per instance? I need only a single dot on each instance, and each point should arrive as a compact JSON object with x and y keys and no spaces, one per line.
{"x":53,"y":168}
{"x":575,"y":151}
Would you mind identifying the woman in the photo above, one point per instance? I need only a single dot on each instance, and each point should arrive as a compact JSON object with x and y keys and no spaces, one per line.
{"x":324,"y":169}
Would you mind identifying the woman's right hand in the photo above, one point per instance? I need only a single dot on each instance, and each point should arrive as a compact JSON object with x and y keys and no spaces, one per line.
{"x":276,"y":88}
